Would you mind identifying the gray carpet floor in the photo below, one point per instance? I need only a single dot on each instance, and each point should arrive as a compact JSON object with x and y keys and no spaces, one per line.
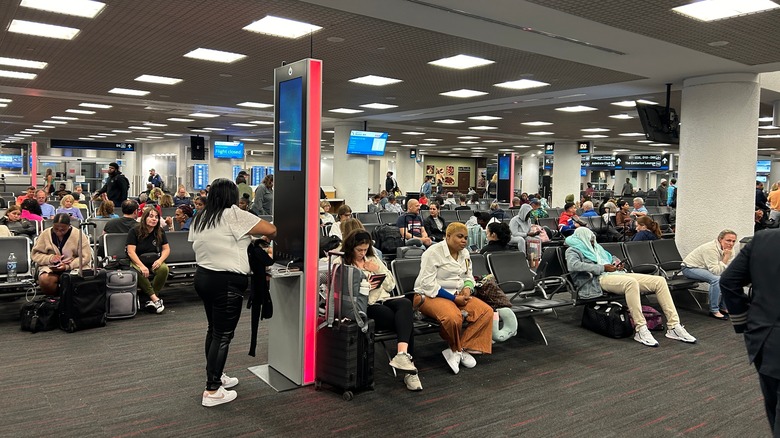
{"x":145,"y":376}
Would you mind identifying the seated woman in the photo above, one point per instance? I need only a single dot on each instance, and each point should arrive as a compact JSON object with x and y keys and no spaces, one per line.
{"x":623,"y":220}
{"x":325,"y":216}
{"x":496,"y":211}
{"x":199,"y":203}
{"x":66,"y":206}
{"x":31,"y":211}
{"x":498,"y":237}
{"x":520,"y":226}
{"x":183,"y":217}
{"x":447,"y":282}
{"x":647,"y":229}
{"x":388,"y":313}
{"x":434,"y":224}
{"x":342,"y":214}
{"x":57,"y":250}
{"x":106,"y":211}
{"x":166,"y":201}
{"x":585,"y":257}
{"x":147,"y":247}
{"x":707,"y":263}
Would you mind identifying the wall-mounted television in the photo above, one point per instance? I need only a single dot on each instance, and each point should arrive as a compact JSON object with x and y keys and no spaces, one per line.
{"x":8,"y":161}
{"x":761,"y":178}
{"x":229,"y":149}
{"x":367,"y":143}
{"x":660,"y":125}
{"x":763,"y":166}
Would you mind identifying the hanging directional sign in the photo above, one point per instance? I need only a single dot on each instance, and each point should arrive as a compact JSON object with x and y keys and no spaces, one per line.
{"x":549,"y":148}
{"x":642,"y":162}
{"x":600,"y":162}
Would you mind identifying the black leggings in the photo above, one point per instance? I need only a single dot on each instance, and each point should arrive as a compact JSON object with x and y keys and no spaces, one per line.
{"x":396,"y":315}
{"x":221,"y":293}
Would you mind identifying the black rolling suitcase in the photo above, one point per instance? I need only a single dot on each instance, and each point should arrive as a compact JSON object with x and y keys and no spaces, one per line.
{"x":345,"y":343}
{"x":83,"y":296}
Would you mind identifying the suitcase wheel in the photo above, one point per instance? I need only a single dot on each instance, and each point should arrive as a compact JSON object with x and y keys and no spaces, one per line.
{"x":348,"y":395}
{"x":317,"y":385}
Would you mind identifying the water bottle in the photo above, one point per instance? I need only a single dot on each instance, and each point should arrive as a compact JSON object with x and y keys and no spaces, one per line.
{"x":11,"y":268}
{"x":364,"y":287}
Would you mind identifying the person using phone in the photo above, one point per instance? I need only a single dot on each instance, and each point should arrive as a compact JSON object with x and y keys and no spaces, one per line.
{"x":387,"y":313}
{"x":57,"y":250}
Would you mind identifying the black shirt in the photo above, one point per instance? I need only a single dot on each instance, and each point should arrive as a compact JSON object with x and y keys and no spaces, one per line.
{"x":120,"y":225}
{"x":492,"y":246}
{"x":147,"y":244}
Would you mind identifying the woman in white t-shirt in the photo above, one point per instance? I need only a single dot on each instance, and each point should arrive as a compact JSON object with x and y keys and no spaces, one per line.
{"x":220,"y":235}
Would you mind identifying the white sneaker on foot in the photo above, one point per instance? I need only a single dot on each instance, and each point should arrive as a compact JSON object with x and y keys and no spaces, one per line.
{"x":453,"y":359}
{"x":643,"y":336}
{"x":228,"y":382}
{"x":467,"y":360}
{"x":221,"y":396}
{"x":413,"y":382}
{"x":403,"y":362}
{"x":679,"y":333}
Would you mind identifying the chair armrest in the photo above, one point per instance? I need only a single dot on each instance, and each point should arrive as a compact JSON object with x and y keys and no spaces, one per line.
{"x":655,"y":269}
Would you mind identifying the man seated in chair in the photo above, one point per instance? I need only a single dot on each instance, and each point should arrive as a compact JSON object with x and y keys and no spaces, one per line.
{"x":411,"y":227}
{"x":587,"y":209}
{"x":639,"y":208}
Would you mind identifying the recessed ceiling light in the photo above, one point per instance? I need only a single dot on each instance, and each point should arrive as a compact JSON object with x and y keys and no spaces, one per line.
{"x":95,"y":105}
{"x":522,"y":146}
{"x":3,"y":105}
{"x":594,"y":130}
{"x":433,"y":139}
{"x":767,"y":149}
{"x":243,"y":125}
{"x":625,"y":103}
{"x":461,"y":62}
{"x":17,"y":75}
{"x":769,"y":136}
{"x":541,"y":133}
{"x":595,"y":136}
{"x":449,"y":121}
{"x":34,"y":130}
{"x":158,"y":79}
{"x":154,"y":137}
{"x":214,"y":55}
{"x":128,"y":91}
{"x":522,"y":84}
{"x":492,"y":141}
{"x":468,"y":142}
{"x":121,"y":131}
{"x":378,"y":106}
{"x":142,"y":128}
{"x":346,"y":111}
{"x":375,"y":80}
{"x":105,"y":134}
{"x":55,"y":122}
{"x":97,"y":136}
{"x":44,"y":126}
{"x":4,"y":100}
{"x":659,"y":144}
{"x":394,"y":141}
{"x":23,"y":135}
{"x":154,"y":124}
{"x":262,"y":122}
{"x":282,"y":27}
{"x":203,"y":115}
{"x":64,"y":118}
{"x":468,"y":137}
{"x":427,"y":144}
{"x":644,"y":141}
{"x":760,"y":119}
{"x":254,"y":105}
{"x":536,"y":123}
{"x":621,"y":150}
{"x":179,"y":119}
{"x":621,"y":116}
{"x":632,"y":134}
{"x":463,"y":93}
{"x":768,"y":127}
{"x":480,"y":148}
{"x":199,"y":130}
{"x":43,"y":30}
{"x":86,"y":138}
{"x":14,"y":62}
{"x":413,"y":133}
{"x":79,"y":8}
{"x":483,"y":128}
{"x":214,"y":129}
{"x":576,"y":109}
{"x":485,"y":118}
{"x":709,"y":10}
{"x":171,"y":134}
{"x":460,"y":149}
{"x":78,"y":111}
{"x":646,"y":102}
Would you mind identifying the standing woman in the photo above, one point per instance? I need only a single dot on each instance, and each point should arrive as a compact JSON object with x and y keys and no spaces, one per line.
{"x":220,"y":235}
{"x":147,"y":247}
{"x":48,"y":182}
{"x":264,"y":197}
{"x":440,"y":181}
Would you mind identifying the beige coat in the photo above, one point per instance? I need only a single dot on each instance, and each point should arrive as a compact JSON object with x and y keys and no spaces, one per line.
{"x":45,"y":249}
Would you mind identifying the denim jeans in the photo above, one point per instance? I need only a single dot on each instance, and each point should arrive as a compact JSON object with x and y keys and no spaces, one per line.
{"x":716,"y":300}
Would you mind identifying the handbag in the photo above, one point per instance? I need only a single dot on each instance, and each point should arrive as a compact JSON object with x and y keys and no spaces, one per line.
{"x":654,"y":319}
{"x":40,"y":314}
{"x":489,"y":292}
{"x":541,"y":233}
{"x":608,"y":318}
{"x":148,"y":259}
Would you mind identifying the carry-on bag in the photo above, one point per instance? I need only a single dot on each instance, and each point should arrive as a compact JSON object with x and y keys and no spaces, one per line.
{"x":40,"y":314}
{"x":121,"y":294}
{"x":82,"y":295}
{"x":608,"y":318}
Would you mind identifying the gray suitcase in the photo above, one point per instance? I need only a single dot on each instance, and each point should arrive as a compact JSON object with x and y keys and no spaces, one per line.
{"x":121,"y":294}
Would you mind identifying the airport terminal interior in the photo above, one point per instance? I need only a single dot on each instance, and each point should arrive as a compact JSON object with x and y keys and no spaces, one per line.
{"x":551,"y":97}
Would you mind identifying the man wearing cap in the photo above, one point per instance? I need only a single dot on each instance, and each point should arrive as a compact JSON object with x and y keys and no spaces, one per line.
{"x":154,"y":178}
{"x":116,"y":187}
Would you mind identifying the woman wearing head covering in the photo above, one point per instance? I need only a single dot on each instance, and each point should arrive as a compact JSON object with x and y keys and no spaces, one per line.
{"x":594,"y":269}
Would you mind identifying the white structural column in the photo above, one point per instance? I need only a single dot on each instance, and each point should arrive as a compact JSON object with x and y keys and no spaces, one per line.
{"x":408,"y":172}
{"x":774,"y":176}
{"x":530,"y":174}
{"x":566,"y":173}
{"x":718,"y":143}
{"x":350,"y":172}
{"x":518,"y":174}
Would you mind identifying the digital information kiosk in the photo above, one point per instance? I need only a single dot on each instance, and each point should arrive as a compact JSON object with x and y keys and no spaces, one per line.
{"x":292,"y":329}
{"x":506,"y":177}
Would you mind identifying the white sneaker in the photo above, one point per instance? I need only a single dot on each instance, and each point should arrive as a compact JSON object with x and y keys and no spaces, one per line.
{"x":221,"y":396}
{"x":467,"y":360}
{"x":679,"y":333}
{"x":158,"y":306}
{"x":228,"y":382}
{"x":453,"y":359}
{"x":413,"y":382}
{"x":403,"y":362}
{"x":643,"y":336}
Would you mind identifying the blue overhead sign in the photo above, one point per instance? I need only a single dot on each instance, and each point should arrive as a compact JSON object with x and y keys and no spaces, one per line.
{"x":200,"y":176}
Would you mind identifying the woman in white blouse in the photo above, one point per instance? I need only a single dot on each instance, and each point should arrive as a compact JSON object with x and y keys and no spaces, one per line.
{"x":447,"y":282}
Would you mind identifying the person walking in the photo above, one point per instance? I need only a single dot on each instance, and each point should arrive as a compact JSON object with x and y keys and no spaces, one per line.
{"x":116,"y":187}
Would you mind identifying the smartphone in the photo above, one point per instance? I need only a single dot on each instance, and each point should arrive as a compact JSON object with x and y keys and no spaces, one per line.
{"x":377,"y":277}
{"x":473,"y":248}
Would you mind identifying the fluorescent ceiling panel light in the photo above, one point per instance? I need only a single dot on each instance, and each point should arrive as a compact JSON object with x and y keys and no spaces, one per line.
{"x":249,"y":139}
{"x":644,"y":141}
{"x":433,"y":139}
{"x":128,"y":91}
{"x":492,"y":141}
{"x":536,"y":123}
{"x":621,"y":150}
{"x":78,"y":111}
{"x":179,"y":119}
{"x":158,"y":79}
{"x":463,"y":93}
{"x":34,"y":130}
{"x":394,"y":141}
{"x":460,"y":149}
{"x":621,"y":116}
{"x":631,"y":134}
{"x":198,"y":130}
{"x":769,"y":136}
{"x":468,"y":137}
{"x":427,"y":144}
{"x":760,"y":119}
{"x":79,"y":8}
{"x":14,"y":62}
{"x":4,"y":100}
{"x":709,"y":10}
{"x":469,"y":142}
{"x":281,"y":27}
{"x":86,"y":138}
{"x":243,"y":125}
{"x":106,"y":134}
{"x":254,"y":105}
{"x":23,"y":135}
{"x":214,"y":55}
{"x":263,"y":122}
{"x":576,"y":109}
{"x":346,"y":110}
{"x":483,"y":128}
{"x":594,"y":130}
{"x":154,"y":124}
{"x":413,"y":133}
{"x":522,"y":84}
{"x":17,"y":75}
{"x":375,"y":80}
{"x":461,"y":62}
{"x":121,"y":131}
{"x":154,"y":138}
{"x":646,"y":102}
{"x":95,"y":105}
{"x":214,"y":129}
{"x":625,"y":103}
{"x":485,"y":118}
{"x":64,"y":118}
{"x":55,"y":122}
{"x":480,"y":148}
{"x":3,"y":105}
{"x":595,"y":136}
{"x":449,"y":121}
{"x":521,"y":146}
{"x":203,"y":115}
{"x":173,"y":135}
{"x":541,"y":133}
{"x":141,"y":128}
{"x":380,"y":106}
{"x":659,"y":144}
{"x":767,"y":149}
{"x":768,"y":127}
{"x":43,"y":30}
{"x":44,"y":126}
{"x":96,"y":136}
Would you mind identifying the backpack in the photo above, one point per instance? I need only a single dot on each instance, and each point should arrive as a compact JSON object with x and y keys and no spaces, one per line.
{"x":387,"y":238}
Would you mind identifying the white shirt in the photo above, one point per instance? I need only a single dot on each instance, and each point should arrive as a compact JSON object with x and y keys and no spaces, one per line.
{"x":439,"y":270}
{"x":224,"y":246}
{"x":335,"y":230}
